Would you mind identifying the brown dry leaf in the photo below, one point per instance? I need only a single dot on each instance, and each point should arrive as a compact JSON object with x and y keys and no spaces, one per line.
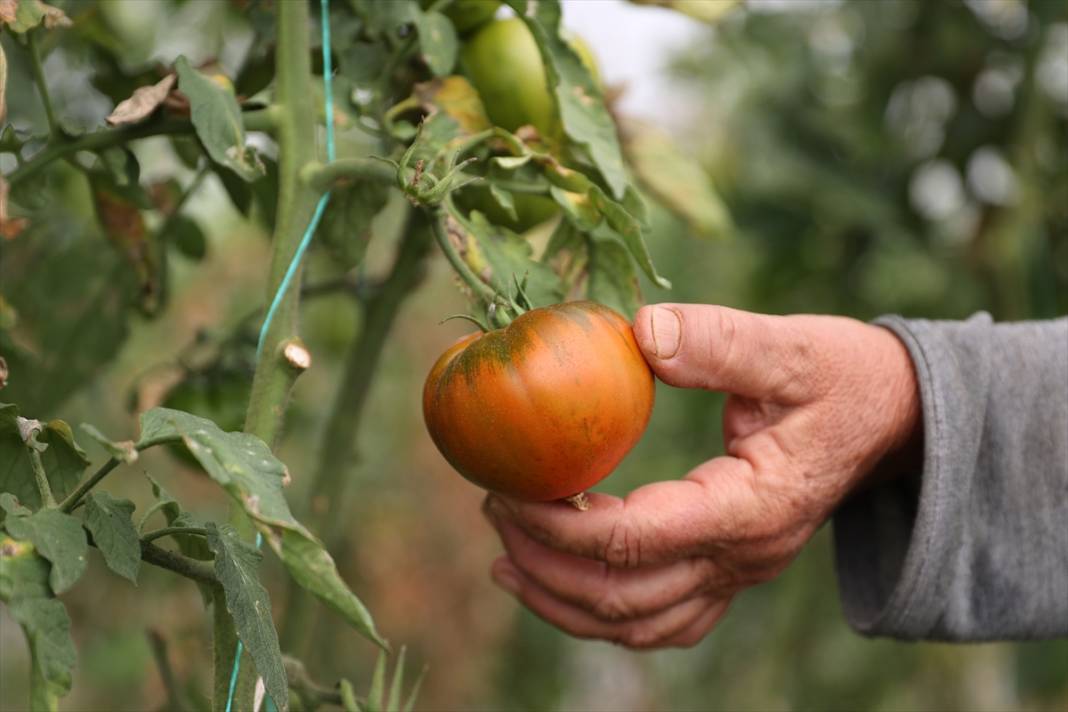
{"x":54,"y":17}
{"x":3,"y":85}
{"x":142,"y":103}
{"x":3,"y":372}
{"x":9,"y":227}
{"x":8,"y":8}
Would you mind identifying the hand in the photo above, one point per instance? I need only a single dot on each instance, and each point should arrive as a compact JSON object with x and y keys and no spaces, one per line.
{"x":815,"y":403}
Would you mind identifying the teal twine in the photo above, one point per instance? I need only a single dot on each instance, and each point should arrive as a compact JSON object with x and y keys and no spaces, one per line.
{"x":291,"y":271}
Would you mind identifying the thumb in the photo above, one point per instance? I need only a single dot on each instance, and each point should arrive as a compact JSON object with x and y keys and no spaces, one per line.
{"x":721,"y":349}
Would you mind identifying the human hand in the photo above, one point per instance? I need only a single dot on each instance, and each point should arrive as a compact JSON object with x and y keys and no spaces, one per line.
{"x":815,"y":402}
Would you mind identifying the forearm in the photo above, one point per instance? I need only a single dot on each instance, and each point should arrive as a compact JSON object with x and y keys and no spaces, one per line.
{"x":973,"y":545}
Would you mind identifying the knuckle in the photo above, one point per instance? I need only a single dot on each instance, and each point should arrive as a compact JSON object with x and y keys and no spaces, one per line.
{"x":610,"y":606}
{"x":640,"y":637}
{"x":622,"y":548}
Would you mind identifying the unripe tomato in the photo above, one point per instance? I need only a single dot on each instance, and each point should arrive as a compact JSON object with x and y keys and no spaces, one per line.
{"x":467,"y":15}
{"x":504,"y":65}
{"x":544,"y":408}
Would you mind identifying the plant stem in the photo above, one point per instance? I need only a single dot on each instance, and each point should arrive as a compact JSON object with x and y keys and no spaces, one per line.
{"x":260,"y":120}
{"x":321,"y":176}
{"x":481,"y":290}
{"x":337,"y":451}
{"x":54,"y":128}
{"x":74,"y":497}
{"x":295,"y":122}
{"x":168,"y":531}
{"x":182,"y":565}
{"x":158,"y":644}
{"x":41,"y":479}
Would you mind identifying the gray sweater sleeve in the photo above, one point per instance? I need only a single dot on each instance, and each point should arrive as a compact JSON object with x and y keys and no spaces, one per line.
{"x":974,"y":547}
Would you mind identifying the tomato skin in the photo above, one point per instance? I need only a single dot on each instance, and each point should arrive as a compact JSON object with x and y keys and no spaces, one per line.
{"x":546,"y":407}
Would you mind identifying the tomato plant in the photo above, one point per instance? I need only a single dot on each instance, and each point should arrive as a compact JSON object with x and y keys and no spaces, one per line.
{"x":428,"y":102}
{"x":544,"y":408}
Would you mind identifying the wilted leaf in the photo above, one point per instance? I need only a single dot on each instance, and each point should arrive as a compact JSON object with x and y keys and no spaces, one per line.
{"x":236,"y":565}
{"x":217,"y":120}
{"x":9,"y":227}
{"x":108,"y":520}
{"x":142,"y":103}
{"x":457,"y":98}
{"x":582,"y":109}
{"x":47,"y":627}
{"x":63,"y":460}
{"x":59,"y":538}
{"x":124,"y":225}
{"x":437,"y":41}
{"x":245,"y":467}
{"x":23,"y":15}
{"x":678,"y":181}
{"x":707,"y":11}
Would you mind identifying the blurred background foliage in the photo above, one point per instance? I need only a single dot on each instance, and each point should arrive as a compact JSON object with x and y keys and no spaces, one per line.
{"x":875,"y":157}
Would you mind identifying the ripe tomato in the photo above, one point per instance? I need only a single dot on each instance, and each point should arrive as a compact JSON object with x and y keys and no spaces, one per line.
{"x":544,"y":408}
{"x":503,"y":63}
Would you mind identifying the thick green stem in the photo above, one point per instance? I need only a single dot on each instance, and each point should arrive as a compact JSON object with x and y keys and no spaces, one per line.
{"x":261,"y":120}
{"x":182,"y":565}
{"x":278,"y":367}
{"x":41,"y":479}
{"x":337,"y":452}
{"x":42,"y":86}
{"x":168,"y":531}
{"x":72,"y":500}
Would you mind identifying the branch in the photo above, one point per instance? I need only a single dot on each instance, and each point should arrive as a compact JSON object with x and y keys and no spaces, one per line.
{"x":75,"y":497}
{"x":41,"y":479}
{"x":42,"y":85}
{"x":260,"y":120}
{"x":170,"y":531}
{"x":322,"y":176}
{"x":482,"y":290}
{"x":337,"y":451}
{"x":182,"y":565}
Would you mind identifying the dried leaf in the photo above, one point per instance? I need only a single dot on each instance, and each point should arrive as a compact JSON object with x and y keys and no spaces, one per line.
{"x":3,"y":85}
{"x":9,"y":227}
{"x":142,"y":103}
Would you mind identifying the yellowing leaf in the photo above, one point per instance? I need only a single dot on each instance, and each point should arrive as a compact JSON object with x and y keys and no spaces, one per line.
{"x":141,"y":103}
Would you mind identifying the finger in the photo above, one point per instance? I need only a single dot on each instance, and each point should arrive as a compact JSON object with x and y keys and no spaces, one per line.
{"x":696,"y":631}
{"x":648,"y":632}
{"x":659,"y":523}
{"x":609,"y":594}
{"x":721,"y":349}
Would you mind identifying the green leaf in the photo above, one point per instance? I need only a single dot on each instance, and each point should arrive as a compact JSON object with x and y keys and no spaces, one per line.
{"x":582,"y":109}
{"x":504,"y":199}
{"x":678,"y":181}
{"x":346,"y":225}
{"x":63,"y":460}
{"x":59,"y":538}
{"x":191,"y":545}
{"x":612,"y":280}
{"x":376,"y":695}
{"x":31,"y":13}
{"x":245,"y":467}
{"x":109,"y":521}
{"x":185,"y":234}
{"x":437,"y":41}
{"x":122,"y":450}
{"x":500,"y":257}
{"x":217,"y":120}
{"x":349,"y":703}
{"x":23,"y":573}
{"x":236,"y":565}
{"x":394,"y":702}
{"x":363,"y":62}
{"x":47,"y":627}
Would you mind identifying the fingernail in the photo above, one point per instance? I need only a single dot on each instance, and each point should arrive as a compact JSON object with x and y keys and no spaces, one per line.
{"x":667,"y":332}
{"x":506,"y":577}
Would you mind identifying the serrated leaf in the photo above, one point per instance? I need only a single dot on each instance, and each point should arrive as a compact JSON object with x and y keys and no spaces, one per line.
{"x":217,"y":120}
{"x":141,"y":103}
{"x":122,"y":450}
{"x":109,"y":521}
{"x":47,"y":627}
{"x":59,"y":538}
{"x":438,"y":43}
{"x":236,"y":565}
{"x":583,"y":113}
{"x":23,"y":572}
{"x":245,"y":467}
{"x":708,"y":11}
{"x":63,"y":460}
{"x":677,"y":181}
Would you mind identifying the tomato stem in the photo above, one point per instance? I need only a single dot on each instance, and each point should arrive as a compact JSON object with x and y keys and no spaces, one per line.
{"x":477,"y":322}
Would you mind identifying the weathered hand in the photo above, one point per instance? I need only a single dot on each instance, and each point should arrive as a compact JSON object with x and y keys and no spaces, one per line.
{"x":815,"y":403}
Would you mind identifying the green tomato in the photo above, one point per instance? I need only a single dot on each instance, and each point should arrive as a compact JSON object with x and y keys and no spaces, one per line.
{"x":504,"y":64}
{"x":468,"y":15}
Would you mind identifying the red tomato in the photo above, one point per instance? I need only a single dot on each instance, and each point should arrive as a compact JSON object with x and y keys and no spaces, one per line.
{"x":544,"y":408}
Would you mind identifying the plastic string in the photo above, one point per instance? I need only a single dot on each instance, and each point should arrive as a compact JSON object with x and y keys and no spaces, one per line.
{"x":291,"y":271}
